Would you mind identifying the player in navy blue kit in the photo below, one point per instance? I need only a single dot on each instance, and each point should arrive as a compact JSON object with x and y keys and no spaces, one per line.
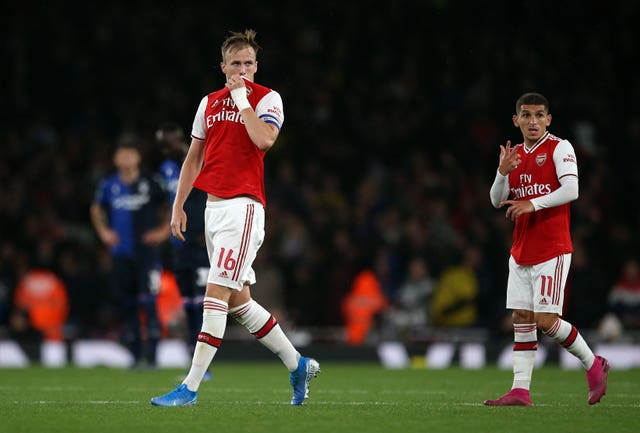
{"x":130,"y":215}
{"x":190,"y":262}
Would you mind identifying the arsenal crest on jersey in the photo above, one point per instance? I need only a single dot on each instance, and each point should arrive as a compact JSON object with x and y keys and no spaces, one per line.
{"x":540,"y":159}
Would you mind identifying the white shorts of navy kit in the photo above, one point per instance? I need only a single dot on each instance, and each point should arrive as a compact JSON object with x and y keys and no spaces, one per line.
{"x":234,"y":232}
{"x":538,"y":288}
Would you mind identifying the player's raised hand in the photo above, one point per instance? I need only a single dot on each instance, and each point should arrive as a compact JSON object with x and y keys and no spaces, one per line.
{"x":236,"y":84}
{"x":509,"y":158}
{"x":235,"y":81}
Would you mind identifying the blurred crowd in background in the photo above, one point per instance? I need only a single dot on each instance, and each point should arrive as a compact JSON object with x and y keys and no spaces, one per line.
{"x":393,"y":120}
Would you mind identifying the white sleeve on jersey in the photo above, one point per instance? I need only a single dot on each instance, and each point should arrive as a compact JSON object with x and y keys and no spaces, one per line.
{"x":270,"y":110}
{"x":564,"y":157}
{"x":499,"y":189}
{"x":199,"y":128}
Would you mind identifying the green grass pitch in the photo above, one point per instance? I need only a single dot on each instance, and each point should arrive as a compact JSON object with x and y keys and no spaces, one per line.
{"x":254,"y":397}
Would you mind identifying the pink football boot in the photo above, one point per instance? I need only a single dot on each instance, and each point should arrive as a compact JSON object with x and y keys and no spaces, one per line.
{"x":515,"y":397}
{"x":597,"y":379}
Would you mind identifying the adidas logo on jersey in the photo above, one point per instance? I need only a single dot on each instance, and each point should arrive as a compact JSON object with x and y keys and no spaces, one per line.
{"x":543,"y":301}
{"x":223,"y":274}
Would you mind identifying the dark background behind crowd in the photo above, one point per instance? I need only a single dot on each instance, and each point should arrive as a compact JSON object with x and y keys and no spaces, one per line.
{"x":394,"y":116}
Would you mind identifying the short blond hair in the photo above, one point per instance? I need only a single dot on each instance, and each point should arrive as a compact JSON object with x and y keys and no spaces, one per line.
{"x":239,"y":40}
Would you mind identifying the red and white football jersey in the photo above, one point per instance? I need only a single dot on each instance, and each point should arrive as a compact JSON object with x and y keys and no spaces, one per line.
{"x":233,"y":164}
{"x":544,"y":234}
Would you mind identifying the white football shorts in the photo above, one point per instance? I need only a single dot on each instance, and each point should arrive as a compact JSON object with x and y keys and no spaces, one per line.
{"x":234,"y":232}
{"x":538,"y":288}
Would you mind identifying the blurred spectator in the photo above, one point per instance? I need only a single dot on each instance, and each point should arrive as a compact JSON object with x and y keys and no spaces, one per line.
{"x":408,"y":311}
{"x":41,"y":304}
{"x":362,"y":306}
{"x":171,"y":311}
{"x":455,"y":301}
{"x":624,"y":298}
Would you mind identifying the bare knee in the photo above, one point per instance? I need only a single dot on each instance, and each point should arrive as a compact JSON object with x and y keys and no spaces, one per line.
{"x":522,"y":316}
{"x":241,"y":297}
{"x":545,"y":321}
{"x":218,"y":292}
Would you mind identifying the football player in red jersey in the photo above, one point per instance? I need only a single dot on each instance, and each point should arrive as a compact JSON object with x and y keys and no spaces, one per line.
{"x":232,"y":130}
{"x":537,"y":180}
